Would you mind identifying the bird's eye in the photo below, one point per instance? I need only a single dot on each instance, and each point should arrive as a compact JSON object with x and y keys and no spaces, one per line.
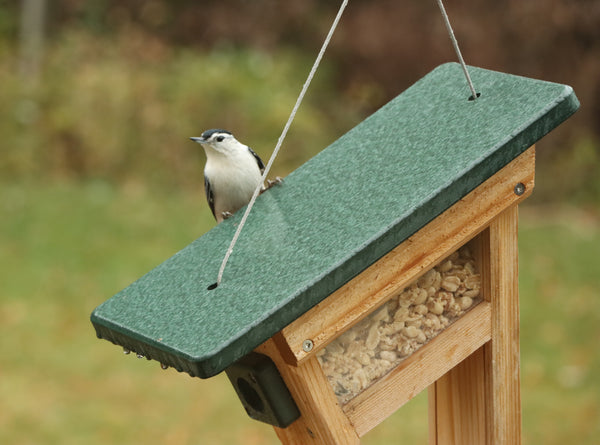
{"x":220,"y":138}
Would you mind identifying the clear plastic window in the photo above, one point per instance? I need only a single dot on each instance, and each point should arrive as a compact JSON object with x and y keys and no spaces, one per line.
{"x":406,"y":322}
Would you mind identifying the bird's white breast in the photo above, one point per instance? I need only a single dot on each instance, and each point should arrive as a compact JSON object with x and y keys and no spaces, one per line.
{"x":233,"y":177}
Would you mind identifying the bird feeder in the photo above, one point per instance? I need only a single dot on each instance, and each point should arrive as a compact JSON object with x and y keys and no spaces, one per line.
{"x":385,"y":265}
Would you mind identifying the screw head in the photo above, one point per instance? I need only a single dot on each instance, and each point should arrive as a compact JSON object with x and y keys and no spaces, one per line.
{"x":519,"y":189}
{"x":307,"y":345}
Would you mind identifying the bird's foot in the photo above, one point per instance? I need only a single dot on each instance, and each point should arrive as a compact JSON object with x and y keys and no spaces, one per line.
{"x":226,"y":215}
{"x":271,"y":182}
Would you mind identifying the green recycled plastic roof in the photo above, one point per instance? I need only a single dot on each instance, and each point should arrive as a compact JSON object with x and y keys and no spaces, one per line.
{"x":332,"y":218}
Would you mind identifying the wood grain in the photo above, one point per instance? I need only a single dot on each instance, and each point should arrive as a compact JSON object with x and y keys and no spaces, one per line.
{"x":502,"y":358}
{"x":457,"y":411}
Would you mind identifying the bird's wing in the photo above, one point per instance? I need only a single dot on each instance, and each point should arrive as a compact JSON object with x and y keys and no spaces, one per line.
{"x":259,"y":161}
{"x":210,"y":197}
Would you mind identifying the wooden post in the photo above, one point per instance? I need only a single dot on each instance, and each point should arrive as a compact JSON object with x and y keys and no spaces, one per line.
{"x":457,"y":412}
{"x":502,"y":353}
{"x":478,"y":401}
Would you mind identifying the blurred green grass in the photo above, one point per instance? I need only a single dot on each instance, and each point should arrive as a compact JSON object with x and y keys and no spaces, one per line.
{"x":69,"y":245}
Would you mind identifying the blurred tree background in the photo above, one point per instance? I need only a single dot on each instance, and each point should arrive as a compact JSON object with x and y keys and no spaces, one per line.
{"x":120,"y":85}
{"x":99,"y":183}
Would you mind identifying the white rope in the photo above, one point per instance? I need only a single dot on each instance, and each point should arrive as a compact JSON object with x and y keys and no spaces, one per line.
{"x":280,"y":141}
{"x":456,"y":48}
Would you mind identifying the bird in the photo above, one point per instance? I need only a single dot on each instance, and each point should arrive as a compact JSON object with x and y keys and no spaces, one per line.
{"x":232,"y":172}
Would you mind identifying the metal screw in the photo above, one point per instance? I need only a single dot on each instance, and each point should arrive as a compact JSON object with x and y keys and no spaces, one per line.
{"x":307,"y":345}
{"x":519,"y":189}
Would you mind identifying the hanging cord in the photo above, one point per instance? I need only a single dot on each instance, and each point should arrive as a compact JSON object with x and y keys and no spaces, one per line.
{"x":457,"y":49}
{"x":279,"y":142}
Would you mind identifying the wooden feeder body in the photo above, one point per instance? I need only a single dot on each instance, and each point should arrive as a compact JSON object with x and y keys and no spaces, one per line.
{"x":343,"y":237}
{"x":470,"y":400}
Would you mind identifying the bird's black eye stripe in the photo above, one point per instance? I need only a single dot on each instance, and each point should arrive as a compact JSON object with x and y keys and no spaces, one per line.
{"x":208,"y":133}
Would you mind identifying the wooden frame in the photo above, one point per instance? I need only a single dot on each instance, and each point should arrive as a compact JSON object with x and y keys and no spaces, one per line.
{"x":474,"y":391}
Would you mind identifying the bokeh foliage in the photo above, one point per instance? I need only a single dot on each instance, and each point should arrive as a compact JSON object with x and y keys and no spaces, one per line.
{"x":121,"y":107}
{"x":123,"y":84}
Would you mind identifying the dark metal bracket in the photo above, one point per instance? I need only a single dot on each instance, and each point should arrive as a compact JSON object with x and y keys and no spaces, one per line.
{"x":262,"y":391}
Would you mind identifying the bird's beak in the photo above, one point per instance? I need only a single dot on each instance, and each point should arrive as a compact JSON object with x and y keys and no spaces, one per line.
{"x":199,"y":140}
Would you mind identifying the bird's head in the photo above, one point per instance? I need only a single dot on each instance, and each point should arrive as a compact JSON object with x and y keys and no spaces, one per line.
{"x":219,"y":140}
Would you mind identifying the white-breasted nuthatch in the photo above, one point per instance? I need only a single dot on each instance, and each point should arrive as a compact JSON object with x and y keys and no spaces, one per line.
{"x":231,"y":174}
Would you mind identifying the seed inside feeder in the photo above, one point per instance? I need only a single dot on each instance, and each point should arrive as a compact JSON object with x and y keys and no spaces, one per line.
{"x":402,"y":325}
